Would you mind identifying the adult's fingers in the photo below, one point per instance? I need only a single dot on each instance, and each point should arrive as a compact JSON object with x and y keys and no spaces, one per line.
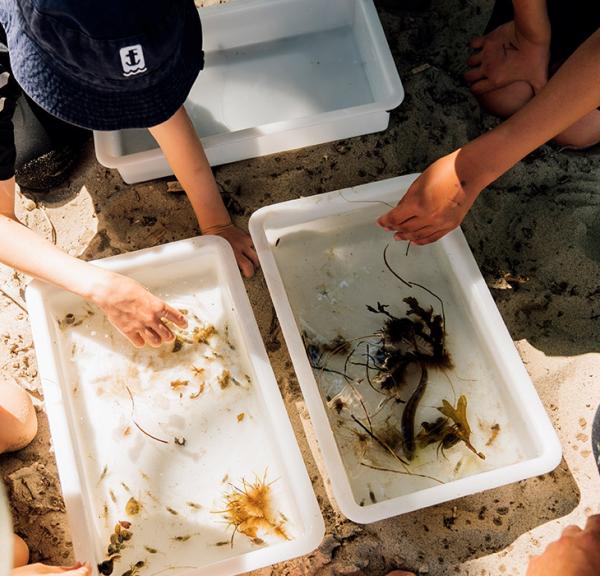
{"x":482,"y":86}
{"x":593,"y":523}
{"x":475,"y":59}
{"x":152,"y":337}
{"x":250,"y":252}
{"x":412,"y":225}
{"x":135,"y":338}
{"x":474,"y":75}
{"x":245,"y":265}
{"x":397,"y":217}
{"x":431,"y":238}
{"x":175,"y":316}
{"x":477,"y":42}
{"x":571,"y":530}
{"x":163,"y":331}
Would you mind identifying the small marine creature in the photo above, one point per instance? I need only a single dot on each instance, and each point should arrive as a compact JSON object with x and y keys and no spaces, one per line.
{"x":201,"y":388}
{"x":495,"y":431}
{"x":171,"y":511}
{"x":132,"y":507}
{"x":194,"y":505}
{"x":150,"y":550}
{"x":249,"y":510}
{"x":106,"y":567}
{"x":134,"y":569}
{"x":180,"y":441}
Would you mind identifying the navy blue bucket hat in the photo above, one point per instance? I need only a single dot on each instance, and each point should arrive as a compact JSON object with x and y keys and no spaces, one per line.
{"x":106,"y":65}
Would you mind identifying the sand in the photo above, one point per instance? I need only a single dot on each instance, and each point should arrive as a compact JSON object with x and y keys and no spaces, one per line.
{"x":535,"y":234}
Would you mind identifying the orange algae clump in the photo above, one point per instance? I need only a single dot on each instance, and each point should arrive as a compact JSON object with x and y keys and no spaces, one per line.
{"x":250,"y":511}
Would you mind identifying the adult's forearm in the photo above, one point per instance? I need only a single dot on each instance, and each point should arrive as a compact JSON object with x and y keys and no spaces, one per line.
{"x":531,"y":19}
{"x":571,"y":93}
{"x":31,"y":254}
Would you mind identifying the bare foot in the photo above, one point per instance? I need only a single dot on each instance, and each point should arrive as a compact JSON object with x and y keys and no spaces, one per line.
{"x":78,"y":569}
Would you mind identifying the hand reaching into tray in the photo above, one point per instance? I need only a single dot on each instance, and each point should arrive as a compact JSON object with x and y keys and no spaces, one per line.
{"x":134,"y":311}
{"x":180,"y":144}
{"x":436,"y":203}
{"x":241,"y":242}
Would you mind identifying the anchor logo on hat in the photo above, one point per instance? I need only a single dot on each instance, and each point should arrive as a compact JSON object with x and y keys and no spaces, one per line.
{"x":132,"y":60}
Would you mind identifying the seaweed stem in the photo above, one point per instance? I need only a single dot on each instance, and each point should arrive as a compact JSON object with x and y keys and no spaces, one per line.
{"x":136,"y":424}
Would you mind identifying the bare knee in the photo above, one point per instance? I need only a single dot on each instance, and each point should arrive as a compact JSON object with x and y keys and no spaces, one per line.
{"x":577,"y":138}
{"x":504,"y":102}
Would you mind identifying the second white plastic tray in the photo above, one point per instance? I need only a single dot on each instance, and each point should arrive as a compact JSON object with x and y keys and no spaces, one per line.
{"x":323,"y":260}
{"x":279,"y":75}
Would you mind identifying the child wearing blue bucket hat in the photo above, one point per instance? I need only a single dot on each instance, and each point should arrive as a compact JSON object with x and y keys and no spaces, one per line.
{"x":109,"y":66}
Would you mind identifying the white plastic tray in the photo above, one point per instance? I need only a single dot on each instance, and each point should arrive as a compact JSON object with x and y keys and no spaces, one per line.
{"x":322,"y":260}
{"x":232,"y":433}
{"x":279,"y":75}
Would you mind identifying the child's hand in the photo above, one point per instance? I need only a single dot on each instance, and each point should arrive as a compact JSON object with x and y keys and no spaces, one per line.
{"x":435,"y":204}
{"x":134,"y":311}
{"x":241,"y":242}
{"x":575,"y":553}
{"x":506,"y":55}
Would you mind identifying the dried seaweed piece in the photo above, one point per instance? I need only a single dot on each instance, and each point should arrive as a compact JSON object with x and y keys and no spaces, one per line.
{"x":202,"y":334}
{"x":177,"y":384}
{"x":224,"y":379}
{"x":460,"y":429}
{"x":249,"y":510}
{"x":136,"y":424}
{"x":177,"y":344}
{"x":200,"y":391}
{"x":106,"y":567}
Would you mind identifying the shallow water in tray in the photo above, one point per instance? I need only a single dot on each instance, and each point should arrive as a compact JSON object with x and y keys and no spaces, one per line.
{"x":270,"y":82}
{"x":332,"y":269}
{"x":164,"y":436}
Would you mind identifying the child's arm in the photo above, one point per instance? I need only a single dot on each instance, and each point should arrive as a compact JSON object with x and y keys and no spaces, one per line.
{"x":127,"y":304}
{"x":185,"y":154}
{"x":439,"y":199}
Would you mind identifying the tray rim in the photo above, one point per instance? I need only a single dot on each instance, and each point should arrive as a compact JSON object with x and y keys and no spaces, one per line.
{"x":460,"y":257}
{"x":118,"y":161}
{"x":80,"y":519}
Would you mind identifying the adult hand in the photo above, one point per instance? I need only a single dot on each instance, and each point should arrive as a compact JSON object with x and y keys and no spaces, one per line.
{"x":134,"y":311}
{"x":575,"y":553}
{"x":38,"y":569}
{"x":435,"y":204}
{"x":506,"y":55}
{"x":242,"y":245}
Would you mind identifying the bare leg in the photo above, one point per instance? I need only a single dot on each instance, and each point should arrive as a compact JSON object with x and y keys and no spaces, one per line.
{"x":504,"y":102}
{"x":20,"y":552}
{"x":583,"y":134}
{"x":18,"y":422}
